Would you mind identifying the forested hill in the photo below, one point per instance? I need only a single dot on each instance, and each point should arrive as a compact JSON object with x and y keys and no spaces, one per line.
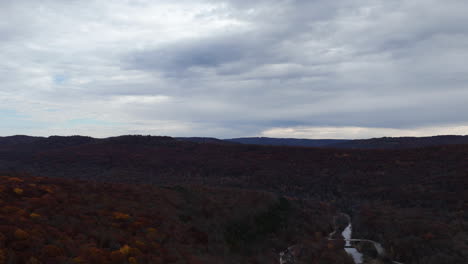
{"x":287,"y":141}
{"x":50,"y":220}
{"x":373,"y":143}
{"x":413,"y":201}
{"x":400,"y":142}
{"x":291,"y":170}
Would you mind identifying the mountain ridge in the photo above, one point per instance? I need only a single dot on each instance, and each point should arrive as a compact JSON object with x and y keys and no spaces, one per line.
{"x":371,"y":143}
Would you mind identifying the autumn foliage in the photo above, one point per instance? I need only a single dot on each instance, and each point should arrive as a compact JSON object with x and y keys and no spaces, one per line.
{"x":70,"y":221}
{"x":413,"y":201}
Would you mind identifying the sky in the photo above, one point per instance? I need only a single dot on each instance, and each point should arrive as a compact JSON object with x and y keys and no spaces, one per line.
{"x":234,"y":68}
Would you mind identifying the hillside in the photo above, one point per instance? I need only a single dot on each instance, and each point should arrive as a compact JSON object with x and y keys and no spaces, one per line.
{"x":400,"y":142}
{"x":46,"y":220}
{"x":205,"y":140}
{"x":311,"y":172}
{"x":413,"y":201}
{"x":286,"y":141}
{"x":372,"y":143}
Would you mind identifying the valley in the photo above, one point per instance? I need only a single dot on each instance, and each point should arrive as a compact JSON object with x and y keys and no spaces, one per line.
{"x":411,"y":201}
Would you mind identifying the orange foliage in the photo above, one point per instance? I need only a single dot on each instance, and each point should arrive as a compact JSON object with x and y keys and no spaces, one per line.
{"x":48,"y":189}
{"x":125,"y":250}
{"x":78,"y":260}
{"x":120,"y":216}
{"x":15,"y":179}
{"x":132,"y":260}
{"x":33,"y":260}
{"x":151,"y":230}
{"x":152,"y":233}
{"x":35,"y":216}
{"x":10,"y":209}
{"x":20,"y":234}
{"x":140,"y":244}
{"x":18,"y":191}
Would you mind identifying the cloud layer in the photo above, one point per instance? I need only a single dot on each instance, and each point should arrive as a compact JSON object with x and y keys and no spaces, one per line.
{"x":234,"y":68}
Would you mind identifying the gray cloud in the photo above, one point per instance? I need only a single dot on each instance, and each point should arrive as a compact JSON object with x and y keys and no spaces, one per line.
{"x":178,"y":58}
{"x":233,"y":68}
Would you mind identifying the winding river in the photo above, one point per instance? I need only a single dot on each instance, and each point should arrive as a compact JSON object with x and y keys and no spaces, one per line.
{"x":287,"y":257}
{"x":358,"y":256}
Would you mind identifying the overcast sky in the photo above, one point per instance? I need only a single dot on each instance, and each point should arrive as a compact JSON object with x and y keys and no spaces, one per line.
{"x":234,"y":68}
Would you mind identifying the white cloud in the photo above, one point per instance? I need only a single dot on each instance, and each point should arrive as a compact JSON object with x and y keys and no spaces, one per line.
{"x":362,"y":132}
{"x":233,"y":68}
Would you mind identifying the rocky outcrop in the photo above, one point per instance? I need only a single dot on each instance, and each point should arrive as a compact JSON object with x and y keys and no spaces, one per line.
{"x":294,"y":254}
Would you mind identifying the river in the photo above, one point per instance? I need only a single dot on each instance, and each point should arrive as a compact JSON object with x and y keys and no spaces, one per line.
{"x":287,"y":256}
{"x":357,"y":256}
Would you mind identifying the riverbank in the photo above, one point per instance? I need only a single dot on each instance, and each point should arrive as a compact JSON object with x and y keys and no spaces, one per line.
{"x":363,"y":251}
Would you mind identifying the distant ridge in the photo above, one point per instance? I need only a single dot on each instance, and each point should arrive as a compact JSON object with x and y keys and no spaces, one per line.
{"x":287,"y":141}
{"x":46,"y":143}
{"x":372,"y":143}
{"x":204,"y":140}
{"x":401,"y":142}
{"x":18,"y":139}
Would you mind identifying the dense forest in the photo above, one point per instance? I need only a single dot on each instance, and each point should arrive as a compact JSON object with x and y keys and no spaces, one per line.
{"x":46,"y":220}
{"x":412,"y":200}
{"x":373,"y":143}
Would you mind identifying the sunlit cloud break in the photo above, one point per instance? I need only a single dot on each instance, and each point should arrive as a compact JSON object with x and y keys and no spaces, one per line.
{"x":362,"y":132}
